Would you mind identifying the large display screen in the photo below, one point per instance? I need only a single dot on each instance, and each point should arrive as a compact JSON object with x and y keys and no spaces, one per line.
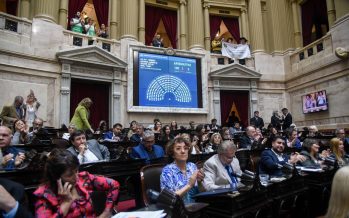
{"x":315,"y":102}
{"x":167,"y":81}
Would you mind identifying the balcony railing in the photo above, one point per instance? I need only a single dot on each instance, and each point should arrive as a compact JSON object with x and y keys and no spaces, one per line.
{"x":73,"y":39}
{"x":217,"y":59}
{"x":311,"y":54}
{"x":15,"y":29}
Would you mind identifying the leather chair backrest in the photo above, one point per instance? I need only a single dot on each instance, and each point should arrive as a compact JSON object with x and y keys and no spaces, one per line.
{"x":150,"y":178}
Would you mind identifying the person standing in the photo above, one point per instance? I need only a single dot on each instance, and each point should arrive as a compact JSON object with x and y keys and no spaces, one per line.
{"x":287,"y":119}
{"x":257,"y":121}
{"x":82,"y":114}
{"x":11,"y":113}
{"x":158,"y":41}
{"x":32,"y":105}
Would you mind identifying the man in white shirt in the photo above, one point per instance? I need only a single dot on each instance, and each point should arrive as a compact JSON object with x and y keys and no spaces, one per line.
{"x":87,"y":151}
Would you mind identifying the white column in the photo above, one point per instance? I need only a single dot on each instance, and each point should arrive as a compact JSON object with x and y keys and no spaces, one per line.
{"x":64,"y":112}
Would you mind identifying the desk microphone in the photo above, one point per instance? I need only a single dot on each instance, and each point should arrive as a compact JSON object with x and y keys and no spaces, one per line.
{"x":152,"y":195}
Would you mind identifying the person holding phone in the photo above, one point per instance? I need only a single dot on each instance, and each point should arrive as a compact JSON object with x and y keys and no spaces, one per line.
{"x":67,"y":192}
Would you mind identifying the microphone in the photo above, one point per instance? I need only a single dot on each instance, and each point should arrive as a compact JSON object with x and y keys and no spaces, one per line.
{"x":152,"y":195}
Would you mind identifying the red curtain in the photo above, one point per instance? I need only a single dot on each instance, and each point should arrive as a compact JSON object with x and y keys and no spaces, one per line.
{"x":314,"y":12}
{"x":233,"y":27}
{"x":152,"y":18}
{"x":99,"y":94}
{"x":169,"y":18}
{"x":240,"y":98}
{"x":75,"y":6}
{"x":102,"y":8}
{"x":215,"y":23}
{"x":11,"y":7}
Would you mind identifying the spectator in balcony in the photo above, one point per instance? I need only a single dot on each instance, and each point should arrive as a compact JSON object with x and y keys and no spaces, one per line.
{"x":157,"y":41}
{"x":103,"y":31}
{"x":216,"y":45}
{"x":243,"y":41}
{"x":90,"y":28}
{"x":76,"y":23}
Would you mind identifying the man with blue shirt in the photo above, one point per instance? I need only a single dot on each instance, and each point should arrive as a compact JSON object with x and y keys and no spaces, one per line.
{"x":273,"y":159}
{"x":147,"y":148}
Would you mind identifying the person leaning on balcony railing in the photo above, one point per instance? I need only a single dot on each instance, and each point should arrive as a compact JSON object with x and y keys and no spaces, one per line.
{"x":216,"y":45}
{"x":90,"y":28}
{"x":76,"y":24}
{"x":103,"y":31}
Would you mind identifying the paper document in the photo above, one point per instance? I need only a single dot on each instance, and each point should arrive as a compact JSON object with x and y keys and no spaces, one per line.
{"x":141,"y":214}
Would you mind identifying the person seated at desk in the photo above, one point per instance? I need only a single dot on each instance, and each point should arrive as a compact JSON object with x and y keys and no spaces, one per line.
{"x":235,"y":129}
{"x":67,"y":192}
{"x":221,"y":169}
{"x":247,"y":140}
{"x":215,"y":141}
{"x":12,"y":198}
{"x":338,"y":152}
{"x":137,"y":137}
{"x":213,"y":126}
{"x":272,"y":159}
{"x":38,"y":132}
{"x":311,"y":153}
{"x":180,"y":176}
{"x":147,"y":149}
{"x":87,"y":151}
{"x":10,"y":156}
{"x":21,"y":135}
{"x":292,"y":140}
{"x":71,"y":129}
{"x":115,"y":135}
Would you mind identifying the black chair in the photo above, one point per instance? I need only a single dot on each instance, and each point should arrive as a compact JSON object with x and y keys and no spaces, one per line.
{"x":150,"y":179}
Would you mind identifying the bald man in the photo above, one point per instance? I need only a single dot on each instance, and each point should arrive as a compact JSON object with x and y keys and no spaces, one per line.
{"x":11,"y":193}
{"x":11,"y":156}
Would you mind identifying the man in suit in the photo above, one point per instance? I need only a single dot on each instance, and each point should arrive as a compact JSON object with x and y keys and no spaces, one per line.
{"x":11,"y":113}
{"x":340,"y":133}
{"x":257,"y":121}
{"x":273,"y":159}
{"x":247,"y":140}
{"x":221,"y":169}
{"x":115,"y":135}
{"x":147,"y":149}
{"x":213,"y":126}
{"x":11,"y":200}
{"x":287,"y":119}
{"x":87,"y":151}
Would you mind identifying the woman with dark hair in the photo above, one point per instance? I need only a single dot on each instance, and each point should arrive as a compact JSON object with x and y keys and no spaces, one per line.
{"x":102,"y":127}
{"x":21,"y":134}
{"x":311,"y":153}
{"x":82,"y":114}
{"x":166,"y":134}
{"x":65,"y":192}
{"x":180,"y":176}
{"x":133,"y":129}
{"x":157,"y":127}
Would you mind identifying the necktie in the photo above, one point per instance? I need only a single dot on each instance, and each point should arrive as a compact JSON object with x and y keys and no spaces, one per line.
{"x":230,"y":172}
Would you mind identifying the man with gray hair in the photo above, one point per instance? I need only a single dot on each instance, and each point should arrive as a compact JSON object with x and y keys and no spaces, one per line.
{"x":221,"y":169}
{"x":13,"y":112}
{"x":147,"y":148}
{"x":248,"y":138}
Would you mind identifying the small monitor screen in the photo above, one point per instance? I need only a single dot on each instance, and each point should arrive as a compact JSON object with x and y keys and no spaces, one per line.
{"x":168,"y":81}
{"x":315,"y":102}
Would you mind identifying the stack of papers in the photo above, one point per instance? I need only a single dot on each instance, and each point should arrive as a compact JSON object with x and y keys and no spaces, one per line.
{"x":141,"y":214}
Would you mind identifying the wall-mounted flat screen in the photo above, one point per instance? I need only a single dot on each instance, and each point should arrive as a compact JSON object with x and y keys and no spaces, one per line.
{"x":315,"y":102}
{"x":166,"y":81}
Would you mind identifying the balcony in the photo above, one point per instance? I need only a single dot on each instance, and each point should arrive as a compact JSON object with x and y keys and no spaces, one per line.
{"x":73,"y":40}
{"x":218,"y":59}
{"x":311,"y":57}
{"x":15,"y":30}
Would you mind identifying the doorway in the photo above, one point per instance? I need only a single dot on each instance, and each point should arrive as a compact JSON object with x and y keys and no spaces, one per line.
{"x":99,"y":92}
{"x":234,"y":107}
